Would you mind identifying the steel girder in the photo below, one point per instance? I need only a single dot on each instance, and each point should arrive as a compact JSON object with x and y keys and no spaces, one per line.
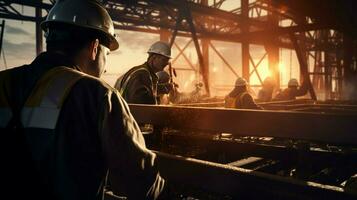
{"x":237,"y":182}
{"x":8,"y":11}
{"x":328,"y":128}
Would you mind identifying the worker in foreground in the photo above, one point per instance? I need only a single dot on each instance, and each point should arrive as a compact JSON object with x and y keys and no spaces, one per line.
{"x":239,"y":97}
{"x":63,"y":128}
{"x":139,"y":84}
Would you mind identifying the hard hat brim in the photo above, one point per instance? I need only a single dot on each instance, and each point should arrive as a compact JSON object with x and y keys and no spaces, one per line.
{"x":113,"y":42}
{"x":159,"y":54}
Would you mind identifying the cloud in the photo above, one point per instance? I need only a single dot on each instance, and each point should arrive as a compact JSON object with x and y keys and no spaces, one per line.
{"x":136,"y":40}
{"x":16,"y":30}
{"x":24,"y":50}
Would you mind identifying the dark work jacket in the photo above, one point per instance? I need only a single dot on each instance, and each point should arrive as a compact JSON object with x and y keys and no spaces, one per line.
{"x":138,"y":85}
{"x":289,"y":94}
{"x":95,"y":131}
{"x":242,"y":99}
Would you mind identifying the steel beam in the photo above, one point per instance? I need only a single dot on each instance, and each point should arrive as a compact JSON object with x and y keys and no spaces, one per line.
{"x":245,"y":43}
{"x":303,"y":66}
{"x":32,"y":3}
{"x":329,"y":128}
{"x":39,"y":35}
{"x":2,"y":25}
{"x":239,"y":182}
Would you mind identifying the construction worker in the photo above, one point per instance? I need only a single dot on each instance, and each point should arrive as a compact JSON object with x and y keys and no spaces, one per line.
{"x":239,"y":96}
{"x":291,"y":92}
{"x":139,"y":84}
{"x":62,"y":127}
{"x":265,"y":94}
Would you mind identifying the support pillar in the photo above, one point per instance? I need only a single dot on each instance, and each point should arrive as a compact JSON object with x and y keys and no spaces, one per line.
{"x":349,"y":87}
{"x":273,"y":51}
{"x":245,"y":44}
{"x":39,"y":35}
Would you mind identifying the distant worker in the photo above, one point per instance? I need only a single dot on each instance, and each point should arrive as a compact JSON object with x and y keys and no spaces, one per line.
{"x":265,"y":94}
{"x":62,"y":126}
{"x":291,"y":92}
{"x":139,"y":84}
{"x":239,"y":96}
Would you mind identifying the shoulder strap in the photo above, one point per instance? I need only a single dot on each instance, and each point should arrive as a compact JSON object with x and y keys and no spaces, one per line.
{"x":42,"y":107}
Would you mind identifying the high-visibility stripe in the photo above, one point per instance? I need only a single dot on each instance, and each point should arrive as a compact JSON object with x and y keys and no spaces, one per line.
{"x":40,"y":117}
{"x":5,"y":116}
{"x":51,"y":90}
{"x":43,"y":106}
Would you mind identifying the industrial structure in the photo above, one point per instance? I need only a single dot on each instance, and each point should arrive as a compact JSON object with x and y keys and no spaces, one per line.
{"x":302,"y":149}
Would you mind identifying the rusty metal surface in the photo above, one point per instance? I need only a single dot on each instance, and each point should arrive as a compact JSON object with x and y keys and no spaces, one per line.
{"x":236,"y":181}
{"x":329,"y":128}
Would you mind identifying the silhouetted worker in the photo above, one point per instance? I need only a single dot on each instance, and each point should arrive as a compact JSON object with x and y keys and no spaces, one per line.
{"x":239,"y":96}
{"x":62,"y":127}
{"x":265,"y":94}
{"x":291,"y":92}
{"x":139,"y":84}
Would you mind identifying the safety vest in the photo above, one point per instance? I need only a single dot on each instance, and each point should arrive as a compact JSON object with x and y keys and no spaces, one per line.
{"x":40,"y":113}
{"x":230,"y":102}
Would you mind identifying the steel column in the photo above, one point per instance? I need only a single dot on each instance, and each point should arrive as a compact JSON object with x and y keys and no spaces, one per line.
{"x":39,"y":35}
{"x":245,"y":44}
{"x":273,"y":50}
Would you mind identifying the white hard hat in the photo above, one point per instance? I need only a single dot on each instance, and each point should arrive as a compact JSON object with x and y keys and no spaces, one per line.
{"x":88,"y":14}
{"x":161,"y":48}
{"x":240,"y":82}
{"x":293,"y":83}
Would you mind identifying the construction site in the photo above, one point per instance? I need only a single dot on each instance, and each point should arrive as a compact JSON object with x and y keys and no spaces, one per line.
{"x":300,"y":147}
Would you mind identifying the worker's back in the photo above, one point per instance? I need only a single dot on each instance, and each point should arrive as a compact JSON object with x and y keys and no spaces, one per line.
{"x":64,"y":144}
{"x":138,"y":85}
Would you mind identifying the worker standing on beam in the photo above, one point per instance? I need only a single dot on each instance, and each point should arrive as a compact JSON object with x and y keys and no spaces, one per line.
{"x":62,"y":127}
{"x":239,"y":96}
{"x":139,"y":84}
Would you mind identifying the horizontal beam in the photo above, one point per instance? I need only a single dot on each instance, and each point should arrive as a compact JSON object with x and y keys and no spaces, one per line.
{"x":268,"y":149}
{"x":18,"y":17}
{"x":32,"y":3}
{"x":235,"y":182}
{"x":329,"y":128}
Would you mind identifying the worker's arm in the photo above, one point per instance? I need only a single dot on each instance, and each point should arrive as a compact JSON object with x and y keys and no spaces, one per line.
{"x":133,"y":168}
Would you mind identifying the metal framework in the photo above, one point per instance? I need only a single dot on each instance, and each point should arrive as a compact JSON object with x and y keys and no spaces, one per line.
{"x":190,"y":123}
{"x":251,"y":23}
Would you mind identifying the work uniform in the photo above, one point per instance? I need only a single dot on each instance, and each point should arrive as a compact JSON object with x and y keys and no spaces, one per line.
{"x":289,"y":94}
{"x":138,"y":85}
{"x":76,"y":127}
{"x":241,"y":100}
